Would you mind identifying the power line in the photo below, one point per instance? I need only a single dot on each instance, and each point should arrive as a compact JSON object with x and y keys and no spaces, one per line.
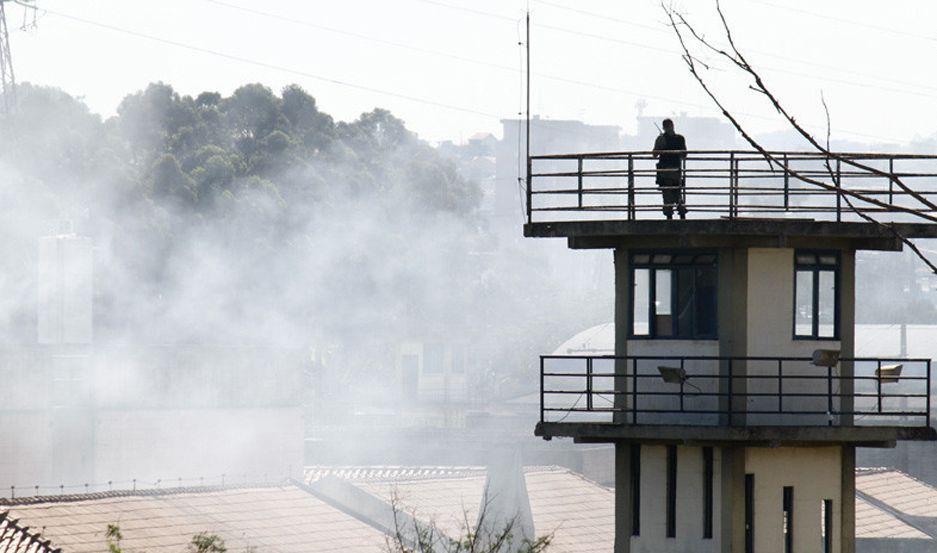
{"x":660,"y":30}
{"x":556,"y":78}
{"x":853,"y":22}
{"x":372,"y":89}
{"x":267,"y":65}
{"x":820,"y":78}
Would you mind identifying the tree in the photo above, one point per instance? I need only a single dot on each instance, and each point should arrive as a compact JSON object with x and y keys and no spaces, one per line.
{"x":203,"y":542}
{"x":411,"y":535}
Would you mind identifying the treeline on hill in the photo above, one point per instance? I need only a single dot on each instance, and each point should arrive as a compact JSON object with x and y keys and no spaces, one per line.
{"x":258,"y":218}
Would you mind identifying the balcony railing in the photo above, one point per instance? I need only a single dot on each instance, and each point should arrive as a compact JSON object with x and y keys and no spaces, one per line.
{"x":730,"y":391}
{"x":732,"y":184}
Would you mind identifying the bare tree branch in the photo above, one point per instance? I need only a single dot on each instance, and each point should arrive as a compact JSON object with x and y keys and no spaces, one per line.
{"x":739,"y":61}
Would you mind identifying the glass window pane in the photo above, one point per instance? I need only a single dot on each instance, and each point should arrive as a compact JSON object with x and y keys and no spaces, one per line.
{"x":806,"y":259}
{"x":683,"y":259}
{"x":663,"y":310}
{"x":686,"y":298}
{"x":641,"y":299}
{"x":828,"y":259}
{"x":641,"y":259}
{"x":662,"y":258}
{"x":827,"y":314}
{"x":705,"y":259}
{"x":803,"y":304}
{"x":706,"y":301}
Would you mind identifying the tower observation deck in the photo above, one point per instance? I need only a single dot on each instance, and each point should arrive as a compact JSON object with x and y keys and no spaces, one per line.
{"x":734,"y":385}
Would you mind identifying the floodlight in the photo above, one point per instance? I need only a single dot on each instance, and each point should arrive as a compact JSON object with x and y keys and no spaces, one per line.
{"x":889,"y":373}
{"x":672,"y":375}
{"x":825,"y":357}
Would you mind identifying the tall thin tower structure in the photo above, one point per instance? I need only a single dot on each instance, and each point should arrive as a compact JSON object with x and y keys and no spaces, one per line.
{"x":7,"y":78}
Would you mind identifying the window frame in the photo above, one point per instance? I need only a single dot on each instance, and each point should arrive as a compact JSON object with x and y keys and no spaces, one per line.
{"x":815,"y":269}
{"x":674,"y":292}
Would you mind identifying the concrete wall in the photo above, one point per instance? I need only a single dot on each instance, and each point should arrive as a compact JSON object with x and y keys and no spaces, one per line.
{"x":689,"y":521}
{"x":697,"y":370}
{"x":770,"y":312}
{"x":815,"y":474}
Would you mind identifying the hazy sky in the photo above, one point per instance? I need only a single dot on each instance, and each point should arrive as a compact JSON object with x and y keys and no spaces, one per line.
{"x":872,"y":60}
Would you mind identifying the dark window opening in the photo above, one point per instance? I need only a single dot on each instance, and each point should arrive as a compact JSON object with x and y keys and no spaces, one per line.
{"x":671,"y":491}
{"x":635,"y":453}
{"x":673,"y":296}
{"x":707,"y":493}
{"x":749,"y":513}
{"x":816,"y":301}
{"x":826,"y":515}
{"x":787,"y":524}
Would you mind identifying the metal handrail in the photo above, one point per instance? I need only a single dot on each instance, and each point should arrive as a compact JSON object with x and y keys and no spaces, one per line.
{"x":837,"y":401}
{"x":731,"y":184}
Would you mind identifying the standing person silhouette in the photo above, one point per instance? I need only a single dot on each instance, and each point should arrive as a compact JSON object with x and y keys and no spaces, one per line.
{"x":670,"y":151}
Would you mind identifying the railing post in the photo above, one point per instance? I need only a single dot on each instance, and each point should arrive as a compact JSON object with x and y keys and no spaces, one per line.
{"x":530,"y":193}
{"x":732,"y":185}
{"x":634,"y":391}
{"x":681,"y":384}
{"x":731,"y":397}
{"x":927,"y":395}
{"x":588,"y":384}
{"x":878,"y":385}
{"x":780,"y":386}
{"x":829,"y":395}
{"x":839,"y":193}
{"x":541,"y":389}
{"x":891,"y":180}
{"x":787,"y":185}
{"x":631,"y":206}
{"x":579,"y":178}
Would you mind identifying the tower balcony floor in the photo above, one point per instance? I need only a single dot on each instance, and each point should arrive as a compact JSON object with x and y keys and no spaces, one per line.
{"x":715,"y":233}
{"x":766,"y":436}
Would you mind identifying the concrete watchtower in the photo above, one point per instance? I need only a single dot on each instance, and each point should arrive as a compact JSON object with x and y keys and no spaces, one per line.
{"x":734,"y":398}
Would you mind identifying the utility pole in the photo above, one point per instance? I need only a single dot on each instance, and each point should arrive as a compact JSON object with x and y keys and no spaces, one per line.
{"x":7,"y":79}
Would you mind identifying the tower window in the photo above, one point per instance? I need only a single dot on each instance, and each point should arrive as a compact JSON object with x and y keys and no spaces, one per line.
{"x":749,"y":513}
{"x":787,"y":508}
{"x":707,"y":493}
{"x":635,"y":452}
{"x":671,"y":491}
{"x":673,"y":295}
{"x":816,"y":302}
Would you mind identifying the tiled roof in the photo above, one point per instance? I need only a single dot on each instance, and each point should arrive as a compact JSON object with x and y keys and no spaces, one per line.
{"x":899,"y":491}
{"x":16,"y":538}
{"x":579,"y":513}
{"x":269,"y":519}
{"x":390,"y":473}
{"x":874,"y":523}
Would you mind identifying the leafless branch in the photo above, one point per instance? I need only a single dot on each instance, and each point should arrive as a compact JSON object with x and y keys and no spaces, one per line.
{"x":738,"y":59}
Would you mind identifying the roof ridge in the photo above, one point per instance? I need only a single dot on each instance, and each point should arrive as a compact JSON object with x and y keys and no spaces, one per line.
{"x":142,"y":492}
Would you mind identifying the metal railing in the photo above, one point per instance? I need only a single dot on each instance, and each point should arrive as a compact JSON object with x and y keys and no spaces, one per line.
{"x":731,"y":184}
{"x":730,"y":391}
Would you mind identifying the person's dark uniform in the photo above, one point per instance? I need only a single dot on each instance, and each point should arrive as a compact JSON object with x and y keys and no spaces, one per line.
{"x":670,"y":169}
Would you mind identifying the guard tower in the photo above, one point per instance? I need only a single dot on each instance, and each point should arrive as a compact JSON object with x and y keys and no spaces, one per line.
{"x":734,"y":399}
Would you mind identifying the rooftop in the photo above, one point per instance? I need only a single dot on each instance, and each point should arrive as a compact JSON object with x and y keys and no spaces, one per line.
{"x":892,"y":509}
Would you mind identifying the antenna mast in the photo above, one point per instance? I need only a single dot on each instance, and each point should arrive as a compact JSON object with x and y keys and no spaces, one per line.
{"x":527,"y":139}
